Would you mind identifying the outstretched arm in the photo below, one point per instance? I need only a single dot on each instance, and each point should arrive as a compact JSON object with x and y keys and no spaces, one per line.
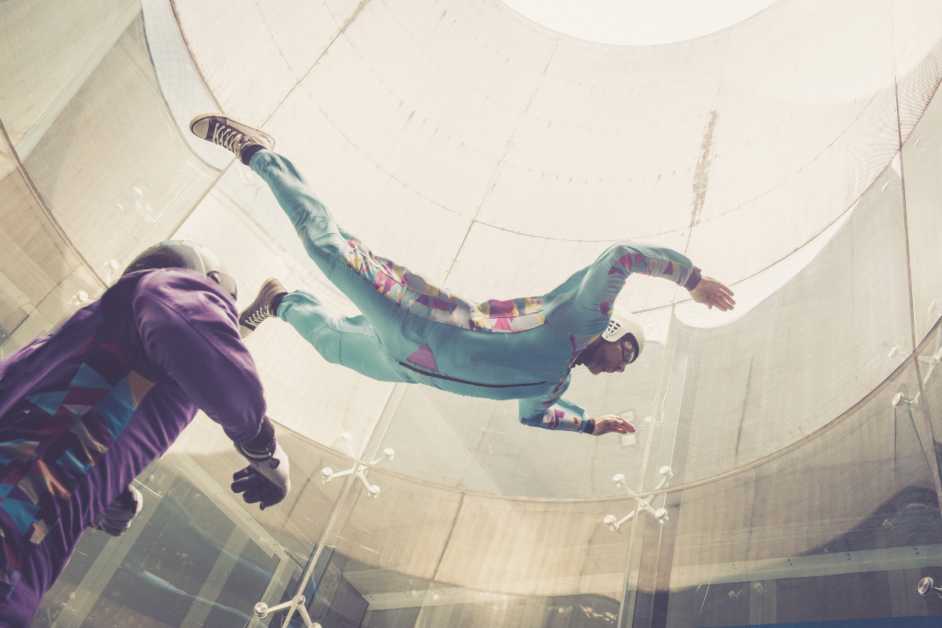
{"x":552,"y":412}
{"x":604,"y":279}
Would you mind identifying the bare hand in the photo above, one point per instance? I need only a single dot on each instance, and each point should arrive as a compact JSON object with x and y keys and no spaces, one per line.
{"x":710,"y":292}
{"x":612,"y":423}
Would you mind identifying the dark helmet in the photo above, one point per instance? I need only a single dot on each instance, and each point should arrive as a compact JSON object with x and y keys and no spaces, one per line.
{"x":185,"y":254}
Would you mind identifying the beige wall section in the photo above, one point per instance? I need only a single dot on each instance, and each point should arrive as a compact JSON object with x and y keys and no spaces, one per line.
{"x":47,"y":50}
{"x":852,"y":477}
{"x":6,"y":154}
{"x":368,"y":201}
{"x":105,"y":172}
{"x":145,"y":180}
{"x":918,"y":59}
{"x":44,"y":47}
{"x":740,"y":135}
{"x":481,"y":542}
{"x":809,"y":352}
{"x":40,"y":274}
{"x":922,"y":155}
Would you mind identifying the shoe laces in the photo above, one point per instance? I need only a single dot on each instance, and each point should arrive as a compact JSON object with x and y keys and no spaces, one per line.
{"x":259,"y":315}
{"x":227,"y":137}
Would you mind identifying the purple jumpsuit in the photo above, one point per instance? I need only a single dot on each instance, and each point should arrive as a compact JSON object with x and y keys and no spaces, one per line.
{"x":85,"y":409}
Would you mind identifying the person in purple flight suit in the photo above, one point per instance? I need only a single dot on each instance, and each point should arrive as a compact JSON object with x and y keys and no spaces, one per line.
{"x":86,"y":408}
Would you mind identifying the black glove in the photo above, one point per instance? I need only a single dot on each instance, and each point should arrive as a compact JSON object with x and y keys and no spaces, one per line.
{"x":266,"y":480}
{"x":258,"y":489}
{"x":117,"y":517}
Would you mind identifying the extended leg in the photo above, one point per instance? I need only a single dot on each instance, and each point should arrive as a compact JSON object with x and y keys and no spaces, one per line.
{"x":337,"y":253}
{"x":386,"y":293}
{"x":348,"y":341}
{"x":324,"y":241}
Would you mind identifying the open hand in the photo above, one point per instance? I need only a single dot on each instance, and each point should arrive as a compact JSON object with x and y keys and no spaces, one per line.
{"x":612,"y":423}
{"x":711,"y":293}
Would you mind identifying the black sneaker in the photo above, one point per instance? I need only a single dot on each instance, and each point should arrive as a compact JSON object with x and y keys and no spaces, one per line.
{"x":231,"y":135}
{"x":261,"y":308}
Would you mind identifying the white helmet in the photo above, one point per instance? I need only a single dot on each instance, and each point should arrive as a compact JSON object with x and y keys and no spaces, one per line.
{"x":628,"y":326}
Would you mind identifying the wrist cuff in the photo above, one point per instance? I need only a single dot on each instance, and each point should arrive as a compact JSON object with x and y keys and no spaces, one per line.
{"x":590,"y":427}
{"x":693,"y":279}
{"x":263,"y":445}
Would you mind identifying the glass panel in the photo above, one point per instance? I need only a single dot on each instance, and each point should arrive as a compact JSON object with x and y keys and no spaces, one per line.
{"x":929,"y":363}
{"x":791,"y":141}
{"x":401,"y":522}
{"x":79,"y":90}
{"x":145,"y":179}
{"x":197,"y":555}
{"x":841,"y":526}
{"x":180,"y":82}
{"x":42,"y":279}
{"x":918,"y":59}
{"x":47,"y":50}
{"x":813,"y":349}
{"x":922,"y":155}
{"x":422,"y":555}
{"x":6,"y":161}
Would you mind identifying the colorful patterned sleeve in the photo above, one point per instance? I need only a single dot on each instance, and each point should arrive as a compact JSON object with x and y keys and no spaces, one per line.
{"x":552,"y":412}
{"x":606,"y":277}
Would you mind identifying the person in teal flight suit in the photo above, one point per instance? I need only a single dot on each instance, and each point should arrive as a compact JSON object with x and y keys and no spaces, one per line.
{"x":412,"y":331}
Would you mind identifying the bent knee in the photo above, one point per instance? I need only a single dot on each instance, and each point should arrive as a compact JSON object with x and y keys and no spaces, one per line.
{"x":325,"y":338}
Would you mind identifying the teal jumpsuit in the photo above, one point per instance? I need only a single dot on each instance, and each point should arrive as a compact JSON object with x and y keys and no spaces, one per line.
{"x":412,"y":331}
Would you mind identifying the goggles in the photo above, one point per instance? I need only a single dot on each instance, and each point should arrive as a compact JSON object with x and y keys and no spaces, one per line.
{"x":628,"y":351}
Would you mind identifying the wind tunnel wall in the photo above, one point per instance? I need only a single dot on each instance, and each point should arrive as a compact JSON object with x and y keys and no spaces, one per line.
{"x":497,"y":157}
{"x":798,"y":491}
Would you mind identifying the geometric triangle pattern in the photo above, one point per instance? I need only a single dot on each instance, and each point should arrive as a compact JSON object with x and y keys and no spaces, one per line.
{"x":48,"y":402}
{"x":88,"y":378}
{"x":414,"y":294}
{"x":424,"y":358}
{"x":140,"y":386}
{"x":76,"y":409}
{"x":79,"y":425}
{"x":22,"y":513}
